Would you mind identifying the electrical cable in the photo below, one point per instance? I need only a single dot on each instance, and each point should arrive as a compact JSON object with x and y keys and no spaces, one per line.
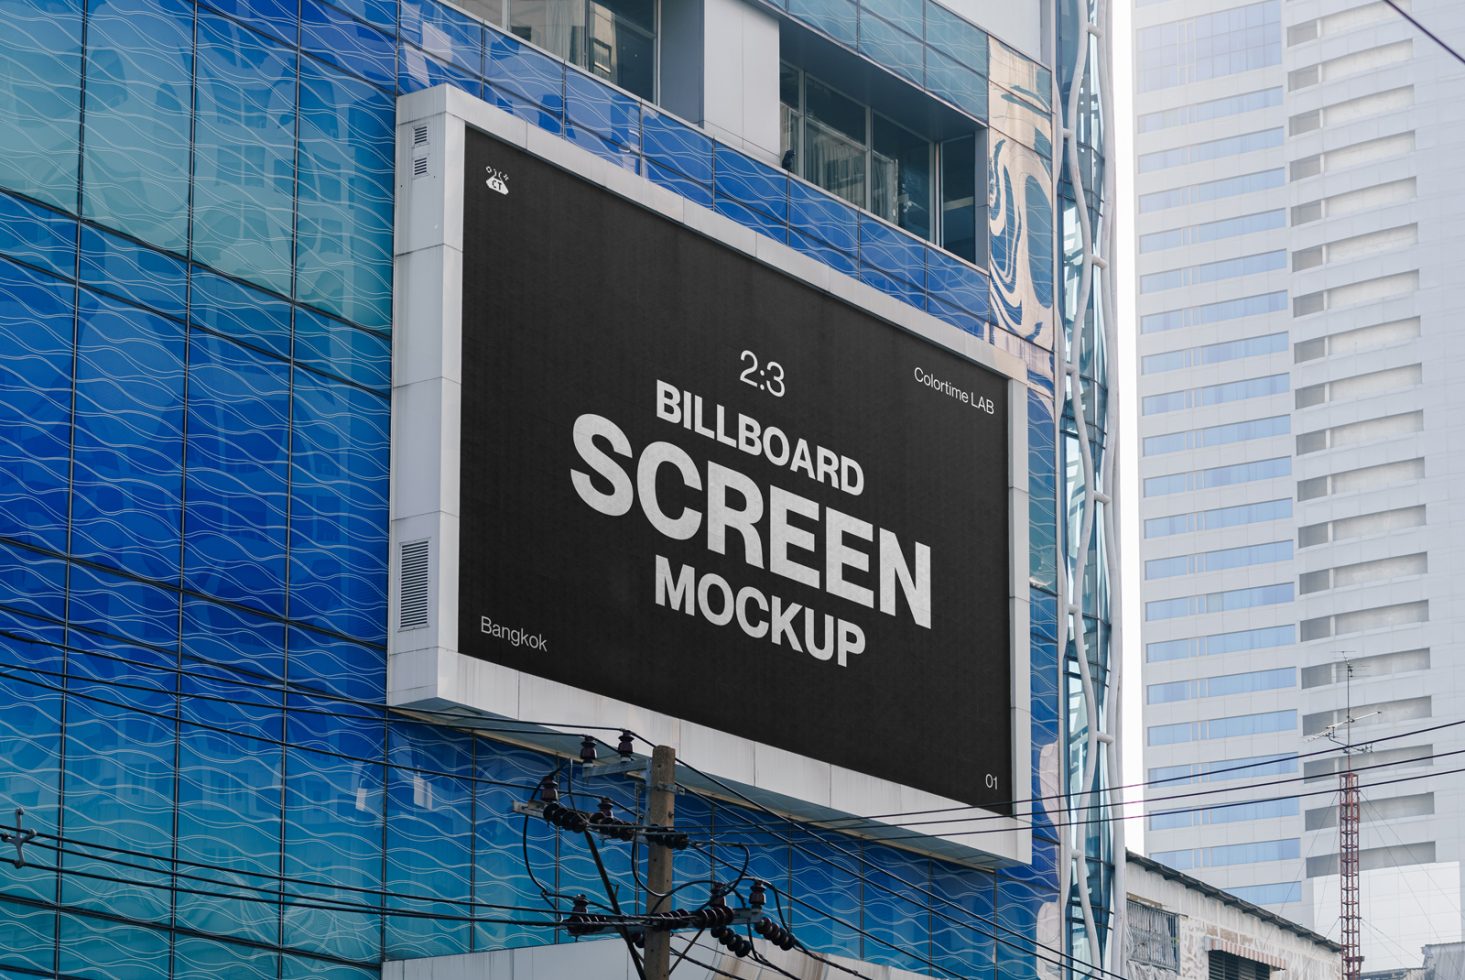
{"x":829,"y":823}
{"x":1426,"y":31}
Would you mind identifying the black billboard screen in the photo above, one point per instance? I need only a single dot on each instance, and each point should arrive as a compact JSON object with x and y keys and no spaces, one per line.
{"x":697,"y":485}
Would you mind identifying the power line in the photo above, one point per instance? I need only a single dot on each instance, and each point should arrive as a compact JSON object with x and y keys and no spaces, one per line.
{"x":1425,"y":31}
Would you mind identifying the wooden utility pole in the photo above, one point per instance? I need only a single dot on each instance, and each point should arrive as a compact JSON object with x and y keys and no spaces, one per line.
{"x":661,"y":812}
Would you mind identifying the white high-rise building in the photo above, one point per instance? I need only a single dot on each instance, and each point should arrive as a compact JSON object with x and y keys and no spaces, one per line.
{"x":1301,"y":258}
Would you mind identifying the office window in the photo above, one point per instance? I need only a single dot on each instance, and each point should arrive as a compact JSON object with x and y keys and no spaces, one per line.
{"x":1231,"y":391}
{"x":1229,"y":350}
{"x":1246,"y":265}
{"x":1263,"y":723}
{"x":1231,"y":309}
{"x":1189,"y":817}
{"x":612,"y":39}
{"x":1225,"y":769}
{"x":1210,"y":150}
{"x":1210,"y":231}
{"x":1211,"y":602}
{"x":1214,"y":561}
{"x":1209,"y":46}
{"x":1206,"y":520}
{"x":839,"y":143}
{"x":1218,"y":435}
{"x":1218,"y":476}
{"x":1212,"y":190}
{"x":1214,"y":109}
{"x":1272,"y":679}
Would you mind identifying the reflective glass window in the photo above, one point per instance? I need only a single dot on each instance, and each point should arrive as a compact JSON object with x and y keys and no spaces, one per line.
{"x":1207,"y":520}
{"x":1229,"y":350}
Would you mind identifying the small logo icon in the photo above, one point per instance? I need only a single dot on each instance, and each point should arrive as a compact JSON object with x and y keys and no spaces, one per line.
{"x":497,"y":180}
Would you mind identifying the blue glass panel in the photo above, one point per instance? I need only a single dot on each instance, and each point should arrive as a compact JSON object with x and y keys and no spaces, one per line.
{"x":821,"y":214}
{"x":447,"y":34}
{"x":500,"y":843}
{"x":37,"y":235}
{"x":753,"y":218}
{"x":36,"y":324}
{"x":620,"y":155}
{"x":825,"y":890}
{"x":835,"y":258}
{"x":517,"y":105}
{"x":139,"y":75}
{"x":898,"y":288}
{"x":893,"y":49}
{"x":304,"y":968}
{"x":961,"y":949}
{"x":957,"y":283}
{"x":417,"y":70}
{"x":834,"y":17}
{"x":30,"y":767}
{"x":127,"y":479}
{"x":957,"y":317}
{"x":203,"y":959}
{"x":382,"y":13}
{"x":325,"y":663}
{"x":40,"y":104}
{"x":600,"y":108}
{"x":1019,"y":75}
{"x":27,"y":937}
{"x":895,"y":913}
{"x":674,"y":181}
{"x":1019,"y":909}
{"x":338,"y":348}
{"x":347,"y":43}
{"x":892,"y":252}
{"x":740,"y":178}
{"x":278,"y":18}
{"x":134,"y":272}
{"x":344,"y":246}
{"x":229,"y":805}
{"x":244,"y":153}
{"x":333,"y":836}
{"x":239,"y":312}
{"x":103,"y":948}
{"x":956,"y":83}
{"x":123,"y":607}
{"x":237,"y":474}
{"x":519,"y":70}
{"x":1042,"y":492}
{"x":32,"y":585}
{"x":338,"y":519}
{"x":956,"y":36}
{"x":119,"y":781}
{"x":224,"y":635}
{"x":905,"y":14}
{"x":429,"y":823}
{"x":675,"y":145}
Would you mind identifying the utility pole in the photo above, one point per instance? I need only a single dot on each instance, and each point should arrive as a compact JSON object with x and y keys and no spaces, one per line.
{"x":661,"y":812}
{"x":1349,"y":819}
{"x":1350,"y":912}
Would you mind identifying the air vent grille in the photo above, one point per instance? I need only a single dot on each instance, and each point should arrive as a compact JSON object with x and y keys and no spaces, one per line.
{"x":419,"y":166}
{"x":419,"y":135}
{"x":415,"y":578}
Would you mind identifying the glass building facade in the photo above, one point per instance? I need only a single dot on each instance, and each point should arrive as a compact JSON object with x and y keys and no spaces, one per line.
{"x":196,"y":220}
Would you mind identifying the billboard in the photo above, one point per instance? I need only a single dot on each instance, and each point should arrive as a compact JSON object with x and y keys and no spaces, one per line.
{"x":697,"y":485}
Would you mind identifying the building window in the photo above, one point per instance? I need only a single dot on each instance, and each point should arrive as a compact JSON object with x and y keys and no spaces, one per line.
{"x":1154,"y":937}
{"x":844,"y":146}
{"x":612,"y":39}
{"x":1225,"y":966}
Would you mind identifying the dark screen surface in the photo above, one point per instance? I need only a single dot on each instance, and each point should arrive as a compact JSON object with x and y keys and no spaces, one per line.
{"x":697,"y":485}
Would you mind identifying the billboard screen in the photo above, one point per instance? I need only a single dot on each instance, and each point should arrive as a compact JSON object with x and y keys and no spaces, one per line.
{"x":699,"y":486}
